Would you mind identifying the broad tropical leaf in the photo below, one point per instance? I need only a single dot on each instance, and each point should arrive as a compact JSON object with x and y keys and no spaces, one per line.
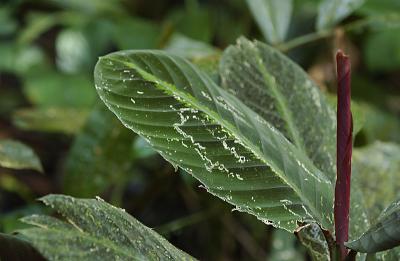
{"x":312,"y":237}
{"x":383,"y":235}
{"x":283,"y":94}
{"x":198,"y":126}
{"x":273,"y":17}
{"x":331,"y":12}
{"x":16,"y":155}
{"x":99,"y":157}
{"x":375,"y":184}
{"x":95,"y":230}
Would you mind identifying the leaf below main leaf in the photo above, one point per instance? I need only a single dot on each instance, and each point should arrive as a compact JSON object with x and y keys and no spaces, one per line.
{"x":198,"y":126}
{"x":95,"y":230}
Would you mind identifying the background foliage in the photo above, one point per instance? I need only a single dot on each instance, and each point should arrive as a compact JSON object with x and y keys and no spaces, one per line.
{"x":69,"y":143}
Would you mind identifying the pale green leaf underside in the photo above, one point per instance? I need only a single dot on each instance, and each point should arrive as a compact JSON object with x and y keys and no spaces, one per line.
{"x":383,"y":235}
{"x":312,"y":237}
{"x":198,"y":126}
{"x":282,"y":93}
{"x":273,"y":17}
{"x":331,"y":12}
{"x":95,"y":230}
{"x":16,"y":155}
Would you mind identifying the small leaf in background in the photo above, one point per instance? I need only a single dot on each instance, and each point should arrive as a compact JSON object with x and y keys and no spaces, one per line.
{"x":208,"y":132}
{"x":385,"y":58}
{"x":313,"y":239}
{"x":331,"y":12}
{"x":94,"y":230}
{"x":73,"y":51}
{"x":16,"y":155}
{"x":17,"y":249}
{"x":273,"y":18}
{"x":48,"y":88}
{"x":189,"y":48}
{"x":53,"y":119}
{"x":99,"y":157}
{"x":383,"y":235}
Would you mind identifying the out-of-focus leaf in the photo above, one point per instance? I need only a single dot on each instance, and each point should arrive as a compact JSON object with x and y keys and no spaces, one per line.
{"x":19,"y":60}
{"x":7,"y":24}
{"x":9,"y":222}
{"x":380,"y":125}
{"x":95,"y":230}
{"x":331,"y":12}
{"x":48,"y":88}
{"x":53,"y":119}
{"x":192,"y":21}
{"x":378,"y":169}
{"x":99,"y":157}
{"x":16,"y":155}
{"x":189,"y":48}
{"x":375,"y":184}
{"x":284,"y":247}
{"x":11,"y":184}
{"x":273,"y":17}
{"x":39,"y":23}
{"x":283,"y":94}
{"x":383,"y":235}
{"x":200,"y":127}
{"x":90,"y":6}
{"x":135,"y":33}
{"x":382,"y":50}
{"x":73,"y":51}
{"x":380,"y":7}
{"x":17,"y":249}
{"x":312,"y":237}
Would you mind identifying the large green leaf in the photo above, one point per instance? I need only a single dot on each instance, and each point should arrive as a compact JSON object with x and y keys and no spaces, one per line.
{"x":383,"y":235}
{"x":331,"y":12}
{"x":273,"y":17}
{"x":283,"y":94}
{"x":375,"y":184}
{"x":99,"y":157}
{"x":198,"y":126}
{"x":95,"y":230}
{"x":16,"y":155}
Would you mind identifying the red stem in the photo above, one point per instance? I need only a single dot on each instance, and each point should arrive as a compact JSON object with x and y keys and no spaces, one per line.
{"x":344,"y":151}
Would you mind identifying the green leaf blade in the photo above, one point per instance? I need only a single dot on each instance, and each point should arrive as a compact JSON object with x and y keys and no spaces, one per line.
{"x":199,"y":127}
{"x":383,"y":235}
{"x":16,"y":155}
{"x":283,"y":94}
{"x":273,"y":17}
{"x":331,"y":12}
{"x":94,"y":230}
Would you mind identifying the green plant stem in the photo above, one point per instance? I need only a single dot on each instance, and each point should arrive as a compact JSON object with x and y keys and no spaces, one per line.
{"x":315,"y":36}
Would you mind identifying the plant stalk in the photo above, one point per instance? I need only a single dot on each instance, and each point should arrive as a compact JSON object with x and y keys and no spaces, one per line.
{"x":344,"y":151}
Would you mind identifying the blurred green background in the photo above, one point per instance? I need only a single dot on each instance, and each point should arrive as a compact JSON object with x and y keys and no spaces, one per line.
{"x":48,"y":49}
